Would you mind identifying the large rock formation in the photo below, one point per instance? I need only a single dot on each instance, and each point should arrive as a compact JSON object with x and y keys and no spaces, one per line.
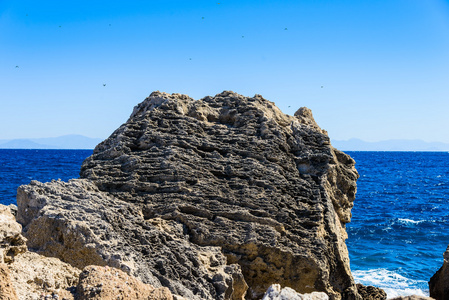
{"x":208,"y":198}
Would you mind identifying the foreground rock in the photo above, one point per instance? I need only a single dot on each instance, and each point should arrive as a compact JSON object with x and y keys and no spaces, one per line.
{"x":214,"y":199}
{"x":103,"y":283}
{"x":439,"y":283}
{"x":35,"y":276}
{"x":371,"y":292}
{"x":275,"y":292}
{"x":7,"y":290}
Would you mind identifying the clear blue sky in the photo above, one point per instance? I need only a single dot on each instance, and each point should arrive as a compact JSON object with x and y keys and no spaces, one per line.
{"x":373,"y":70}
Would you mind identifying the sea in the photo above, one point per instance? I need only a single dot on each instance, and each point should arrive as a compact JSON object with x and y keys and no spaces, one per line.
{"x":400,"y":220}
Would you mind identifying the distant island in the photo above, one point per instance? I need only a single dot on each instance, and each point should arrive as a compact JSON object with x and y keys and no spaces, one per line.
{"x":74,"y":141}
{"x":389,"y":145}
{"x":71,"y":141}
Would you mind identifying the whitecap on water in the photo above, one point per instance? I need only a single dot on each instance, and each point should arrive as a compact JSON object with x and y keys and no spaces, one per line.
{"x":392,"y":283}
{"x":409,"y":222}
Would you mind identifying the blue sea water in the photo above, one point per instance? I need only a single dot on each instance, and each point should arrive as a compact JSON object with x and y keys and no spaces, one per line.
{"x":400,"y":222}
{"x":20,"y":166}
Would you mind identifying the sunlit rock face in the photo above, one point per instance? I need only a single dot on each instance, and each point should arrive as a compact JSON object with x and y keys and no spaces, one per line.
{"x":217,"y":198}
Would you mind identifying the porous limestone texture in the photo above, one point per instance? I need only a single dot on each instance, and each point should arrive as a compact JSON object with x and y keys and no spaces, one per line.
{"x":35,"y":277}
{"x":217,"y":198}
{"x":104,"y":283}
{"x":275,"y":292}
{"x":12,"y":242}
{"x":439,"y":283}
{"x":371,"y":292}
{"x":7,"y":291}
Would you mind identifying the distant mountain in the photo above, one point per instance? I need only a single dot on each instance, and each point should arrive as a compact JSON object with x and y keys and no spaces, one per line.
{"x":389,"y":145}
{"x":63,"y":142}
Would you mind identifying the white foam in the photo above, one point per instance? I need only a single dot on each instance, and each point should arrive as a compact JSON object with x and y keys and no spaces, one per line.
{"x":392,"y":283}
{"x":409,"y":222}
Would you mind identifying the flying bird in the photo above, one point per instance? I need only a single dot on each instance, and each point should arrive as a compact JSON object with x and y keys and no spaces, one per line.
{"x":17,"y":66}
{"x":104,"y":84}
{"x":322,"y":86}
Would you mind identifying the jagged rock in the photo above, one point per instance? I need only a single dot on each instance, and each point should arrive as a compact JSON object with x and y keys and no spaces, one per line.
{"x":206,"y":198}
{"x":12,"y":242}
{"x":371,"y":292}
{"x":275,"y":292}
{"x":439,"y":283}
{"x":34,"y":276}
{"x":105,"y":283}
{"x":7,"y":291}
{"x":77,"y":223}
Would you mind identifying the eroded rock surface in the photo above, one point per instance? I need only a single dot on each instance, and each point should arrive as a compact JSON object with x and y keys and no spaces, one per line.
{"x":35,"y":277}
{"x":207,"y":198}
{"x":371,"y":292}
{"x":103,"y":283}
{"x":7,"y":291}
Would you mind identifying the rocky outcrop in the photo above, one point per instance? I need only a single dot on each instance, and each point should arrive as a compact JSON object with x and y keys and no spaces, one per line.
{"x":439,"y":283}
{"x":275,"y":292}
{"x":217,"y":198}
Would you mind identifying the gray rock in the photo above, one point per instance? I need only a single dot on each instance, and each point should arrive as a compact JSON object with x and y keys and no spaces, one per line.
{"x":207,"y":198}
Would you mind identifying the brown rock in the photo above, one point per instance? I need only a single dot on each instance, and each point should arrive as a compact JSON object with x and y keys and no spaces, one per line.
{"x":34,"y":275}
{"x":371,"y":292}
{"x":7,"y":291}
{"x":206,"y":198}
{"x":104,"y":283}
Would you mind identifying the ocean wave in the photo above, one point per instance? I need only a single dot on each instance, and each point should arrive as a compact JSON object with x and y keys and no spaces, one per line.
{"x":409,"y":221}
{"x":391,"y":282}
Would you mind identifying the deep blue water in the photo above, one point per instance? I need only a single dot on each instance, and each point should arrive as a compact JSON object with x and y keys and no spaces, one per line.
{"x":19,"y":167}
{"x":400,"y":223}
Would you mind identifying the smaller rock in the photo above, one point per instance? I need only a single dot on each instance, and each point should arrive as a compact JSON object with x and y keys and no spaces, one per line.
{"x":7,"y":291}
{"x":12,"y":242}
{"x":106,"y":283}
{"x":413,"y":297}
{"x":439,"y":283}
{"x":275,"y":292}
{"x":371,"y":292}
